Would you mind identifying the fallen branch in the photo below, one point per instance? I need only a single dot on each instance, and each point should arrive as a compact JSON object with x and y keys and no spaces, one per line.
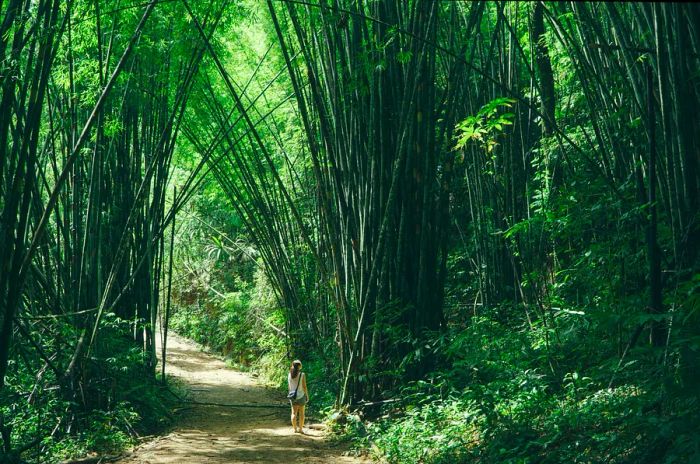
{"x":374,"y":403}
{"x":238,"y":405}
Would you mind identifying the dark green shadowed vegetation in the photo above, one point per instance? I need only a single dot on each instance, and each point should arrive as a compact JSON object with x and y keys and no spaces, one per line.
{"x":477,"y":223}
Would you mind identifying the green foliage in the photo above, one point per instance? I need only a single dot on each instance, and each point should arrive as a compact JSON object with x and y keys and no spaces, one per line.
{"x":543,"y":355}
{"x":106,"y":432}
{"x":118,"y":404}
{"x":496,"y":403}
{"x":485,"y":125}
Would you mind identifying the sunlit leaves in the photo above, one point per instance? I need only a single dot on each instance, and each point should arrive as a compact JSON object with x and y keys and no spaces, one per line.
{"x":483,"y":128}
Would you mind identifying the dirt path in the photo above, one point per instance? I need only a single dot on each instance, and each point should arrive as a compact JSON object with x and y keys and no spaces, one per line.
{"x":220,"y":434}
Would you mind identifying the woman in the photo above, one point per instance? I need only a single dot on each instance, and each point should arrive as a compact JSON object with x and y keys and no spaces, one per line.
{"x":297,"y":383}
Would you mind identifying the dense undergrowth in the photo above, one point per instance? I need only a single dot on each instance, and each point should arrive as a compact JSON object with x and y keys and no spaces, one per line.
{"x":108,"y":415}
{"x":499,"y":400}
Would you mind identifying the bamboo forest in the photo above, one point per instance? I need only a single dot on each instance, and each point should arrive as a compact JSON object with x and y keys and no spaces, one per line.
{"x":462,"y":231}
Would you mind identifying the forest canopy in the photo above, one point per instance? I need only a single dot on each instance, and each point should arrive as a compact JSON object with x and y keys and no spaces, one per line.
{"x":477,"y":222}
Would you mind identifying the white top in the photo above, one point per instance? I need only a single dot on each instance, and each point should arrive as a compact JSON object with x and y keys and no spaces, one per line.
{"x":292,"y":383}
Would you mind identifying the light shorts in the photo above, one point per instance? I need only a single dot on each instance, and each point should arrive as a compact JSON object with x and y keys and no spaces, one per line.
{"x":300,"y":401}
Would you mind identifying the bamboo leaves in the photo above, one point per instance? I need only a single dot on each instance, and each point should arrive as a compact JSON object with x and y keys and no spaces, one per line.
{"x":483,"y":127}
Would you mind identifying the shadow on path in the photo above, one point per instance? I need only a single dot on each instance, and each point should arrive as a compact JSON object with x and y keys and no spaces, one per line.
{"x":232,"y":435}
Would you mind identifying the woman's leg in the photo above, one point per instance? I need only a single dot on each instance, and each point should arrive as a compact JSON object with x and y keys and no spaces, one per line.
{"x":295,"y":413}
{"x":302,"y":411}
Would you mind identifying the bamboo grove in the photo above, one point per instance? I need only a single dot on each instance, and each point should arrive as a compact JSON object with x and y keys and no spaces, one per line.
{"x":384,"y":90}
{"x":401,"y":168}
{"x":91,"y":108}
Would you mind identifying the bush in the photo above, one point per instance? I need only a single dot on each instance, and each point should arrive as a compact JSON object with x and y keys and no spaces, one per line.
{"x":119,"y":401}
{"x":496,"y":401}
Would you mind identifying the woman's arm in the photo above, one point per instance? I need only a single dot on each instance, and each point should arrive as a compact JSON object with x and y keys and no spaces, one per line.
{"x":303,"y":384}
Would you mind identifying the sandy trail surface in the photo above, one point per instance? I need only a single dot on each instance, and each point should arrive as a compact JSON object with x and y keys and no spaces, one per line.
{"x":212,"y":433}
